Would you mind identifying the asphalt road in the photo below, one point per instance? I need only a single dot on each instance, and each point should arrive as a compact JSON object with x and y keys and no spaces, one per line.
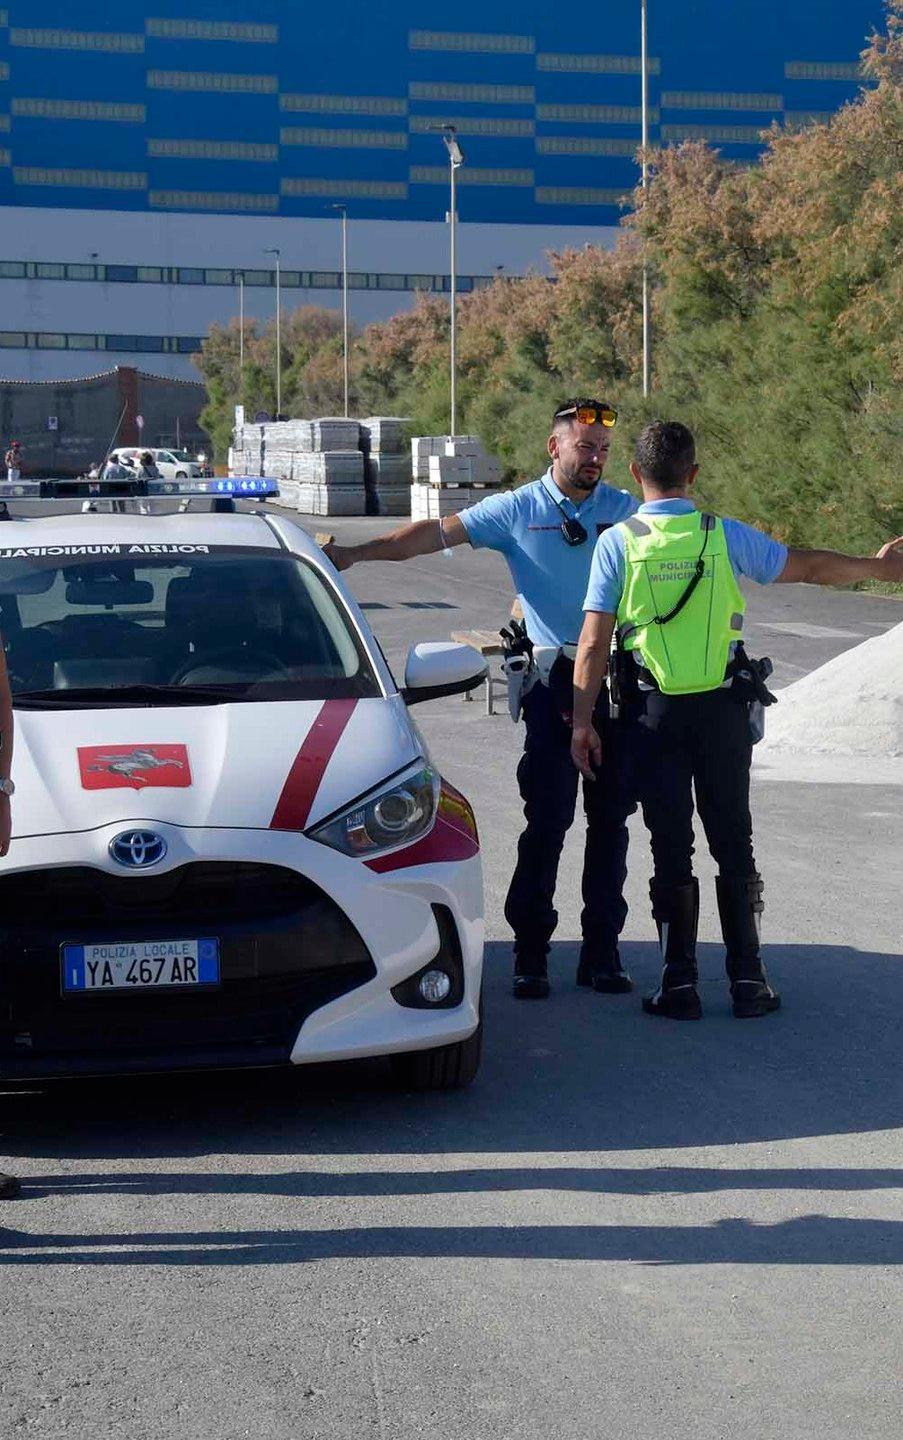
{"x":623,"y":1226}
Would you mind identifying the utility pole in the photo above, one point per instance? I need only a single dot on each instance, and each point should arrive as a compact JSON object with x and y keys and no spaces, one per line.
{"x":644,"y":66}
{"x":455,"y":161}
{"x":241,"y":332}
{"x":274,"y":250}
{"x":343,"y":210}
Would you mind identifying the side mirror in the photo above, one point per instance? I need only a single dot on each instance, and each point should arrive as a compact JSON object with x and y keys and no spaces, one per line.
{"x":441,"y":667}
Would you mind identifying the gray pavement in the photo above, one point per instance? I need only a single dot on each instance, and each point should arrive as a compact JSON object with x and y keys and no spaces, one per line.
{"x":624,"y":1226}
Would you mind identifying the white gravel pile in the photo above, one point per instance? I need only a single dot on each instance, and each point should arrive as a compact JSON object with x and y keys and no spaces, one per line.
{"x":851,"y":706}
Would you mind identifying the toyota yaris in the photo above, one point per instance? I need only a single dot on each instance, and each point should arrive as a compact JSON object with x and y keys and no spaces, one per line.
{"x":230,"y":845}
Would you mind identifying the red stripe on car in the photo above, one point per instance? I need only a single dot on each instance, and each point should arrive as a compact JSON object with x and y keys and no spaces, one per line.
{"x":300,"y":789}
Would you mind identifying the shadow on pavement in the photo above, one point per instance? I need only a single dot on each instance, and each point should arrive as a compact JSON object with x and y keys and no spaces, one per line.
{"x":809,"y":1240}
{"x":580,"y":1072}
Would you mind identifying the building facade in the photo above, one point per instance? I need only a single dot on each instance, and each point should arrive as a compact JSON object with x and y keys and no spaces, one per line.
{"x":149,"y":160}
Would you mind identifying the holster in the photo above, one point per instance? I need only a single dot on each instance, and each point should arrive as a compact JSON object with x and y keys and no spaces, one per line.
{"x":748,"y":677}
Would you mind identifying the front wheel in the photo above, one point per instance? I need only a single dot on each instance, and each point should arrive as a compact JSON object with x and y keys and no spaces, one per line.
{"x":448,"y":1067}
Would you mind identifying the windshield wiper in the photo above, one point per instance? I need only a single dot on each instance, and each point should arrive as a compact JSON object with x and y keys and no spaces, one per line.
{"x":113,"y":695}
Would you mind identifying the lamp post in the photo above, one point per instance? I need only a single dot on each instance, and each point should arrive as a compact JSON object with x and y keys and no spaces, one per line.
{"x":343,"y":211}
{"x":455,"y":161}
{"x":274,"y":250}
{"x":241,"y":330}
{"x":644,"y":67}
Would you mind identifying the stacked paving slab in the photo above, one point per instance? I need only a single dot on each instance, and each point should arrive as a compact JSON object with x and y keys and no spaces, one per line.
{"x":448,"y":473}
{"x":318,"y":463}
{"x":387,"y":481}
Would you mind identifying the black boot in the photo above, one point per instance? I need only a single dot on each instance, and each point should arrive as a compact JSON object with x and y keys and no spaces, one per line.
{"x":9,"y":1186}
{"x":740,"y":905}
{"x":602,"y":971}
{"x":531,"y":976}
{"x":675,"y":909}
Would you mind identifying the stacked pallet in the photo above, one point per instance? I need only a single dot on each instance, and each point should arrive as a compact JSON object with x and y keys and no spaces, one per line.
{"x":317,"y":462}
{"x":449,"y":472}
{"x":386,"y":471}
{"x":331,"y":482}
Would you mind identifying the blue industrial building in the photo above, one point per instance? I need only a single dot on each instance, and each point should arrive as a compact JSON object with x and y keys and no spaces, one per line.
{"x":146,"y":158}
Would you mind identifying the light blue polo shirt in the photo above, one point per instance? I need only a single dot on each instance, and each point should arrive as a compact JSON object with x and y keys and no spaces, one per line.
{"x":549,"y":575}
{"x":750,"y":552}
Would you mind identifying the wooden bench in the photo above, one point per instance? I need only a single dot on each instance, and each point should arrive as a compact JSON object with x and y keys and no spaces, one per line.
{"x":487,"y":642}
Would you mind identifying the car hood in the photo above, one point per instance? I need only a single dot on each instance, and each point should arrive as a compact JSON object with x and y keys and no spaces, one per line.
{"x":279,"y":765}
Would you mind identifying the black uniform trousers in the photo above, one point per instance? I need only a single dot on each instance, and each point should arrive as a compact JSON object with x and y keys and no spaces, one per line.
{"x":549,"y":782}
{"x":678,"y":743}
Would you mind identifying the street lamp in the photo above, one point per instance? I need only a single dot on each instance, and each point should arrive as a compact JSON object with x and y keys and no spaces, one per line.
{"x":644,"y":67}
{"x":455,"y":161}
{"x":241,"y":330}
{"x":274,"y":250}
{"x":343,"y":210}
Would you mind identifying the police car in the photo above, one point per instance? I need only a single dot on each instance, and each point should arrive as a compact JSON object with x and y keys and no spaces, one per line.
{"x":230,"y":844}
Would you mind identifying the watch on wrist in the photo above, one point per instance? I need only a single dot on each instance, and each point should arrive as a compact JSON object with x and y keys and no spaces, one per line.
{"x":6,"y":786}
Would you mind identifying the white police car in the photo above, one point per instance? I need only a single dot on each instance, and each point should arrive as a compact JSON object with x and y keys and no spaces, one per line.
{"x":229,"y":844}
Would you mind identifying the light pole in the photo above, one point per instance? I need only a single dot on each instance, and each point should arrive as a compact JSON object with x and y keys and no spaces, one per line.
{"x":241,"y":331}
{"x":343,"y":210}
{"x":455,"y":161}
{"x":274,"y":250}
{"x":644,"y":67}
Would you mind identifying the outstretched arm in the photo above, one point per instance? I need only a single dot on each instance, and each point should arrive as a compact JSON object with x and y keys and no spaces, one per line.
{"x":828,"y":567}
{"x":424,"y":537}
{"x":589,"y":672}
{"x":6,"y":751}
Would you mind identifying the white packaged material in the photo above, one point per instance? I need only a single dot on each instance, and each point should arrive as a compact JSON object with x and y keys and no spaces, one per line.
{"x":331,"y":500}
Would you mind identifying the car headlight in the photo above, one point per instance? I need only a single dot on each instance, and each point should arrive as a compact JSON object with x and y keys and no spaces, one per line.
{"x":398,"y":814}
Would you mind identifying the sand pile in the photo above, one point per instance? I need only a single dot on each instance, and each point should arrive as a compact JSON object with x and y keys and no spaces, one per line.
{"x":851,"y":706}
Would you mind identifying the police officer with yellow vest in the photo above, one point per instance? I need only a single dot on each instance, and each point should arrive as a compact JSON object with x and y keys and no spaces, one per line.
{"x":666,"y":580}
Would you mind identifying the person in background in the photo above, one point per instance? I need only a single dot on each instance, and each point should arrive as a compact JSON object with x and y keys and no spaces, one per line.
{"x":545,"y":530}
{"x":666,"y":581}
{"x":14,"y":460}
{"x":146,"y":466}
{"x":115,"y":469}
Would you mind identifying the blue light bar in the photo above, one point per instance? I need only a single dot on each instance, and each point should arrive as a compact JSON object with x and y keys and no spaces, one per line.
{"x":250,"y":487}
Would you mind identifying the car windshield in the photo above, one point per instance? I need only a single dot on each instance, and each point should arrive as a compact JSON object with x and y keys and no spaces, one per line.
{"x":221,"y":622}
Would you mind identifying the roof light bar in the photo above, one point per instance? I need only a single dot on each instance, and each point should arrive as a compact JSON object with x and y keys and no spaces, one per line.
{"x":239,"y":488}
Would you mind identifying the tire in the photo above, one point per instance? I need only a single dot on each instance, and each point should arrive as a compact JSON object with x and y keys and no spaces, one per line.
{"x":448,"y":1067}
{"x":181,"y":475}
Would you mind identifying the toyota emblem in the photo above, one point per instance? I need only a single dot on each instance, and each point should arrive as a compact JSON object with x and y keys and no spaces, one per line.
{"x":138,"y":849}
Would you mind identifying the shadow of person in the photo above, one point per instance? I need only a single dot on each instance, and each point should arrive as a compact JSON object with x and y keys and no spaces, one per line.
{"x":803,"y":1240}
{"x":580,"y":1072}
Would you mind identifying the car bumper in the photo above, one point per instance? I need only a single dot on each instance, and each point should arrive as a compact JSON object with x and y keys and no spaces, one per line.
{"x":309,"y":962}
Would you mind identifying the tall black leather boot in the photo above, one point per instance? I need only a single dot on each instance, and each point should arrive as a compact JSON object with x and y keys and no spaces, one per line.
{"x":675,"y":909}
{"x":740,"y":905}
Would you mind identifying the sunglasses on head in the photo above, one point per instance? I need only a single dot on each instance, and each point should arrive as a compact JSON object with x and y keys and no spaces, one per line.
{"x":592,"y":414}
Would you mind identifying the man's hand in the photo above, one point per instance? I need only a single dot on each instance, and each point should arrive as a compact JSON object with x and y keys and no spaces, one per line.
{"x":586,"y":750}
{"x":891,"y":556}
{"x":5,"y":824}
{"x":342,"y":556}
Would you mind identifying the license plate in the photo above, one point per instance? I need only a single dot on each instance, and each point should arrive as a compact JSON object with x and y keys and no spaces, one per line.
{"x":140,"y":965}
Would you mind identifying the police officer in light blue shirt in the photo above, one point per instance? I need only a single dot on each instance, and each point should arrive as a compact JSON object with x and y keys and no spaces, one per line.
{"x":547,"y":531}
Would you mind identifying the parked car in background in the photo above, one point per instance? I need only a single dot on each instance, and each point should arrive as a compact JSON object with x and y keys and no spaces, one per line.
{"x":172,"y":464}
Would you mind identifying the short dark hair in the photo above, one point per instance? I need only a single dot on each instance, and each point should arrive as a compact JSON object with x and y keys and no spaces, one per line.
{"x":665,"y":453}
{"x":576,"y":403}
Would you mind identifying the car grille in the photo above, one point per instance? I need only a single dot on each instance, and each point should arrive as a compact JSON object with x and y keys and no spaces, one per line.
{"x":285,"y":949}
